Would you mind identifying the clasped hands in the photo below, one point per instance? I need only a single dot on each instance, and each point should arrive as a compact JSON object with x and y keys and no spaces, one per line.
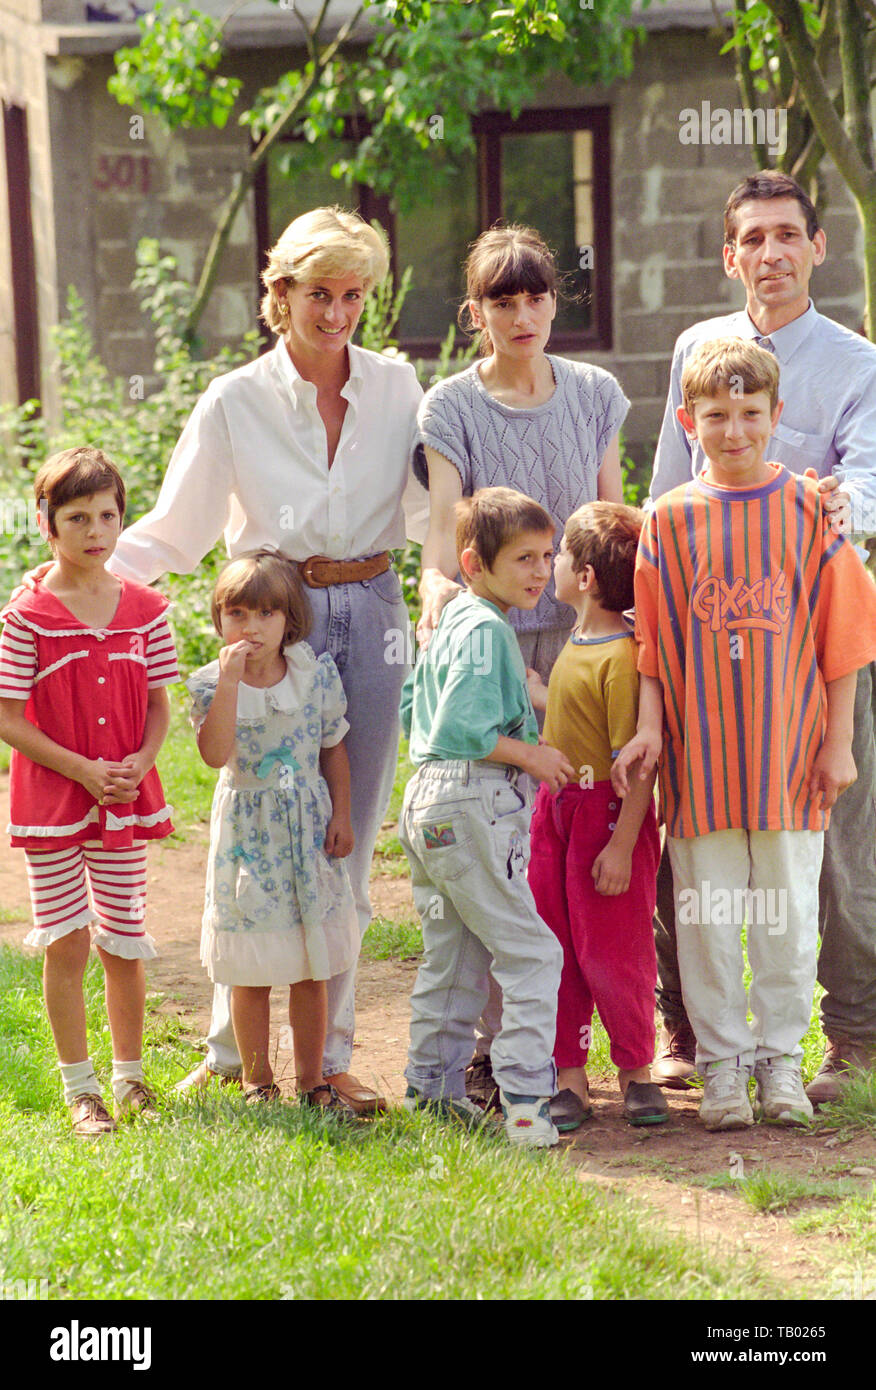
{"x":116,"y":783}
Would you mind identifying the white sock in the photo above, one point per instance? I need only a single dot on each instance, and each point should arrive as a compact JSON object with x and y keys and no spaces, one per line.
{"x":123,"y":1074}
{"x":79,"y":1080}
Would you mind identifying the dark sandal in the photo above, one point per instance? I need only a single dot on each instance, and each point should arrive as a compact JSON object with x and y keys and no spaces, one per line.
{"x":258,"y":1095}
{"x":568,"y":1110}
{"x":645,"y":1104}
{"x":325,"y":1097}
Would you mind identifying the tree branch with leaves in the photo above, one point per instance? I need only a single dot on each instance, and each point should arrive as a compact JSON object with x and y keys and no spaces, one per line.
{"x":386,"y":71}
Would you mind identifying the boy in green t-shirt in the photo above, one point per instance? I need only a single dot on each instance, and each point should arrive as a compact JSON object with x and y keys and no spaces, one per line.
{"x":465,"y":828}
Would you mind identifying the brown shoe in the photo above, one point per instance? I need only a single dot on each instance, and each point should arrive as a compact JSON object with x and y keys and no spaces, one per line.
{"x":138,"y":1102}
{"x":834,"y":1074}
{"x":201,"y":1077}
{"x":90,"y":1117}
{"x":360,"y":1098}
{"x":675,"y":1063}
{"x":480,"y":1084}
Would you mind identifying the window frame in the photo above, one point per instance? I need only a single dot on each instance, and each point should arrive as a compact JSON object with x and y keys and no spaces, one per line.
{"x":489,"y":127}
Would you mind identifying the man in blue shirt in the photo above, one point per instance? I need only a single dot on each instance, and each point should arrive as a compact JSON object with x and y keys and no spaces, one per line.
{"x":772,"y":243}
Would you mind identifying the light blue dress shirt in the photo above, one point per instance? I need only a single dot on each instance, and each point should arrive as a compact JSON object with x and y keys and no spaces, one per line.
{"x":828,"y":384}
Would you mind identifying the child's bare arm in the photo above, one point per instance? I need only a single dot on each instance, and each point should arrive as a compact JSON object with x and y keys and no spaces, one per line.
{"x":335,"y":768}
{"x":612,"y":868}
{"x":216,"y":734}
{"x":834,"y":767}
{"x":648,"y":741}
{"x":542,"y":762}
{"x":92,"y":773}
{"x":538,"y":691}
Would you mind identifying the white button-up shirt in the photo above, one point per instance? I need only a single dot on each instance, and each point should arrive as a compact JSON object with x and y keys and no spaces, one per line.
{"x":252,"y":463}
{"x":828,"y":383}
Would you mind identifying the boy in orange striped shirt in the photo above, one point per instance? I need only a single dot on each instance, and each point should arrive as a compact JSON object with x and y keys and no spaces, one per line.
{"x":753,"y":618}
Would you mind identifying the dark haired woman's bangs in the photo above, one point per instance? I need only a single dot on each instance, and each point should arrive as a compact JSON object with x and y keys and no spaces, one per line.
{"x":516,"y":270}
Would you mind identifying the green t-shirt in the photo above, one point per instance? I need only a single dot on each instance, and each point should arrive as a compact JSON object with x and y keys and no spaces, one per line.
{"x":468,"y":687}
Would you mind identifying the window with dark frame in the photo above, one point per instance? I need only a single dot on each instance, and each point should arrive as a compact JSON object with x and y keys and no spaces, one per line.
{"x":549,"y":169}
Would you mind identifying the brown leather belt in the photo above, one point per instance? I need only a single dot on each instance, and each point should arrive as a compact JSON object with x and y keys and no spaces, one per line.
{"x":319,"y":571}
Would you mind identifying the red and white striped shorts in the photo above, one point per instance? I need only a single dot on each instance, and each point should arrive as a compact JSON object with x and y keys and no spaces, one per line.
{"x":59,"y":883}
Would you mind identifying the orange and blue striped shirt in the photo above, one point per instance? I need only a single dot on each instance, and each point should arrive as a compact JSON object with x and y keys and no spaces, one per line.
{"x":747,"y":604}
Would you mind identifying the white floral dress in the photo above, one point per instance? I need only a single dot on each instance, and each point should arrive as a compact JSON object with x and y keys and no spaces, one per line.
{"x":278,"y":909}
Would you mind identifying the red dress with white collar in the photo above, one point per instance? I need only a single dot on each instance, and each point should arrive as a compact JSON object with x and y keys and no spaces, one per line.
{"x":88,"y":690}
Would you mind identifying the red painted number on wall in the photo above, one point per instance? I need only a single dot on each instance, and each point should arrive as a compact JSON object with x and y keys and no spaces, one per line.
{"x":123,"y":171}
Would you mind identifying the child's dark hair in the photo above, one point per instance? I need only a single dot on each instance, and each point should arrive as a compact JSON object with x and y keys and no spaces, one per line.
{"x":264,"y":579}
{"x":492,"y":517}
{"x":505,"y":261}
{"x":74,"y":473}
{"x":606,"y":536}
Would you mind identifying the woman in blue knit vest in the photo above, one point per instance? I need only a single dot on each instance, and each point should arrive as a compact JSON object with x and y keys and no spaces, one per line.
{"x":519,"y":417}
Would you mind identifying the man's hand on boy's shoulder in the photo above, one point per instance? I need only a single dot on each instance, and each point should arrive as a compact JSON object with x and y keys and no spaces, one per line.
{"x":836,"y":503}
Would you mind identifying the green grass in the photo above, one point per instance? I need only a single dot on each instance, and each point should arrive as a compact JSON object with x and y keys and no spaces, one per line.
{"x":14,"y":914}
{"x":217,"y":1200}
{"x":387,"y":940}
{"x":187,"y":780}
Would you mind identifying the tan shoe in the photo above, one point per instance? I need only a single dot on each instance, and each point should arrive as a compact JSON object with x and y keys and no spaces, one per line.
{"x":834,"y":1074}
{"x":90,"y":1117}
{"x":359,"y":1097}
{"x":675,"y":1063}
{"x":138,"y":1102}
{"x":200,"y":1078}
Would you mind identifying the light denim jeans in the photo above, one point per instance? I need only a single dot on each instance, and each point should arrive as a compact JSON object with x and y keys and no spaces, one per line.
{"x":465,"y":830}
{"x":539,"y":650}
{"x":366,"y":629}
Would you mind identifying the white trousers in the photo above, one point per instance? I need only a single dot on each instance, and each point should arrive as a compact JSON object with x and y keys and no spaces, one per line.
{"x":767,"y":881}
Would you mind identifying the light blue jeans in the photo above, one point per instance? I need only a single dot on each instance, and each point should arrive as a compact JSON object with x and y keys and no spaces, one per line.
{"x":539,"y":650}
{"x":366,"y":629}
{"x":465,"y":829}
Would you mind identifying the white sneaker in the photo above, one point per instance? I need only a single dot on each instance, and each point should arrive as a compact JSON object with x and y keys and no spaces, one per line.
{"x":780,"y":1096}
{"x":725,"y":1103}
{"x":528,"y":1120}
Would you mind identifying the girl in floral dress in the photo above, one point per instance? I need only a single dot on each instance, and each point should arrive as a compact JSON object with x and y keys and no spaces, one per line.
{"x":279,"y":907}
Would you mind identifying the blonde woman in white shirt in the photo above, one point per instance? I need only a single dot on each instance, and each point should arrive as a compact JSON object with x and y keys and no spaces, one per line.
{"x":307,"y":450}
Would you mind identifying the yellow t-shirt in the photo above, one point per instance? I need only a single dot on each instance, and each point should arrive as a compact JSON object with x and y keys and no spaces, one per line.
{"x":593,"y":702}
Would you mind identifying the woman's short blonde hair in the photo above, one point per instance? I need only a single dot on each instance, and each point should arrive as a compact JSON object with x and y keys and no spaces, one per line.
{"x":326,"y":243}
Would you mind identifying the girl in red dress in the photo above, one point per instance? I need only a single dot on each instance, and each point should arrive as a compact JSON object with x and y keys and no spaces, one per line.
{"x":84,"y":659}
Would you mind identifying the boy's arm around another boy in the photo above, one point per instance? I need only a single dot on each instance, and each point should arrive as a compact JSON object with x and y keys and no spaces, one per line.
{"x":539,"y":760}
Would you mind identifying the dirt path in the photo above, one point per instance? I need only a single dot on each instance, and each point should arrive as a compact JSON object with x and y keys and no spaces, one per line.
{"x":662,"y":1167}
